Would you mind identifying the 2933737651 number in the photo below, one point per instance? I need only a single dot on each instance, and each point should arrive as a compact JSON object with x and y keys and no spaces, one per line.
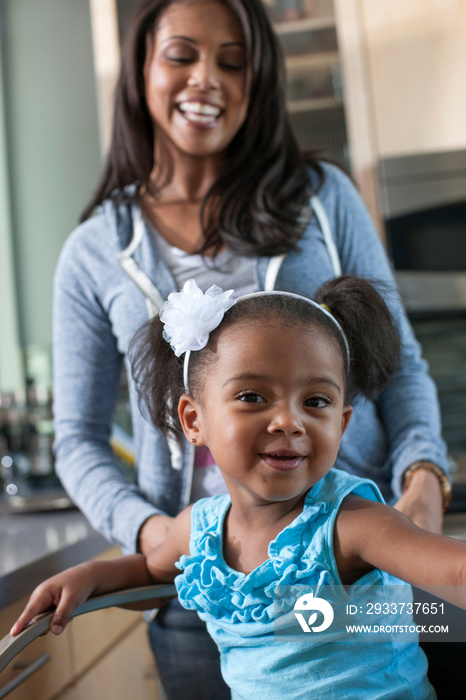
{"x":413,"y":608}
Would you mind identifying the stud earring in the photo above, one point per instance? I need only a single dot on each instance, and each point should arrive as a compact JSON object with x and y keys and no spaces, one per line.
{"x":193,"y":440}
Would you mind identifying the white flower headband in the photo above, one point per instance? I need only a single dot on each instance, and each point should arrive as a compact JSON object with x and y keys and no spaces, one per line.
{"x":190,"y":316}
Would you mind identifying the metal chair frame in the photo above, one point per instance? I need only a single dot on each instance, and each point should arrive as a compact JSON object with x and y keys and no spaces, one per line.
{"x":11,"y":646}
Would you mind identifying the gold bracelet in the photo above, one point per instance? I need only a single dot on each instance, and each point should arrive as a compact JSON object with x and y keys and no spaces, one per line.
{"x":439,"y":473}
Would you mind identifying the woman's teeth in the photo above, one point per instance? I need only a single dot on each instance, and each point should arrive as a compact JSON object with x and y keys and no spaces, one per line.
{"x":199,"y":112}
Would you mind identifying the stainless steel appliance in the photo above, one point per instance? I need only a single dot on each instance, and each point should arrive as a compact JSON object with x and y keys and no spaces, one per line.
{"x":424,"y":207}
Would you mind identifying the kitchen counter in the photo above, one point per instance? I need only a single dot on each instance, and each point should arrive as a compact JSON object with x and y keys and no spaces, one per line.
{"x":35,"y":546}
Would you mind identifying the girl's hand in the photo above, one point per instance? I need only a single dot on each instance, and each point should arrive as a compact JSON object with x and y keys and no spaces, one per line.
{"x":65,"y":592}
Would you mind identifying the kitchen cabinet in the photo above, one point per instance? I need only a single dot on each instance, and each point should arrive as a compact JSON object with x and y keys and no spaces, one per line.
{"x":52,"y":656}
{"x":101,"y":654}
{"x":126,"y":671}
{"x":314,"y":89}
{"x":327,"y":86}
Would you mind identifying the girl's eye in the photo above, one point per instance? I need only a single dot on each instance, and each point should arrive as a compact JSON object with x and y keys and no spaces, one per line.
{"x":250,"y":397}
{"x":317,"y":402}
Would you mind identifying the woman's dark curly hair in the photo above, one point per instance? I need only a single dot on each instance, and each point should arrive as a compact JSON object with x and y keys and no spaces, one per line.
{"x":259,"y":203}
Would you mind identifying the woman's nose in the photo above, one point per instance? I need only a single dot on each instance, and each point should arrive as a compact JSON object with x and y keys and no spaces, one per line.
{"x":204,"y":75}
{"x":286,"y":420}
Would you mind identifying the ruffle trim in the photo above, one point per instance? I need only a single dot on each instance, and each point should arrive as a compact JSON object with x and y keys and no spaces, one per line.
{"x":209,"y":585}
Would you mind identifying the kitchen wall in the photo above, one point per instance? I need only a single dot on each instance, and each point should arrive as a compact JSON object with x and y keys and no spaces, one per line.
{"x":49,"y":161}
{"x":11,"y":368}
{"x":416,"y":61}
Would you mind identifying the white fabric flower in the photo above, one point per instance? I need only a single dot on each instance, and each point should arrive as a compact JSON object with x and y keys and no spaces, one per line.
{"x":189,"y":316}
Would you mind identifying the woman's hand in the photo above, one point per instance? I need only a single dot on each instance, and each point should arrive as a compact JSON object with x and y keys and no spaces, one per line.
{"x":65,"y":592}
{"x":153,"y":532}
{"x":422,"y":502}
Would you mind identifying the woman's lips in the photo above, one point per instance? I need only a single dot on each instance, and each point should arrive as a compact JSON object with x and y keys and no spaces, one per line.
{"x":283,"y":461}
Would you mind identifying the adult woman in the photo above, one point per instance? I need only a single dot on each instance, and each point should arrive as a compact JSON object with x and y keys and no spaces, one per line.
{"x":204,"y":180}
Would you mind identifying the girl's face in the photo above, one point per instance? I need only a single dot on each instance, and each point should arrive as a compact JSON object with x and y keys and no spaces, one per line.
{"x":272,"y":409}
{"x":196,"y":77}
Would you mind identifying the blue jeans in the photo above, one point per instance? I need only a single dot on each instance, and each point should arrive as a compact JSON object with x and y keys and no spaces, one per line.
{"x":187,"y":658}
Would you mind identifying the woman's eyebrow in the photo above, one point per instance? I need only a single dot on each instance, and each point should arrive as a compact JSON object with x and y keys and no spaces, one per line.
{"x":179,"y":36}
{"x":194,"y":41}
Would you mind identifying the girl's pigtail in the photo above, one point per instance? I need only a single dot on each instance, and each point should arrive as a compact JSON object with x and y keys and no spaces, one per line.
{"x":371,"y":332}
{"x":158,"y":376}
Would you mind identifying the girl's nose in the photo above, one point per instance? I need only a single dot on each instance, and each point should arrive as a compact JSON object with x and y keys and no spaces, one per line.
{"x":204,"y":75}
{"x":288,"y":421}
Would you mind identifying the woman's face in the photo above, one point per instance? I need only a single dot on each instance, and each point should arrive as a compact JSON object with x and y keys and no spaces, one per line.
{"x":196,"y":77}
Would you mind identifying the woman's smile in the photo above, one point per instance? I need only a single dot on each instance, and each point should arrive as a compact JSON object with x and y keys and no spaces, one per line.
{"x":200,"y":112}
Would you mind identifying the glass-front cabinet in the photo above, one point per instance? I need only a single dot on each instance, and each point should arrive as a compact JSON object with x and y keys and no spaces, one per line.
{"x":314,"y":85}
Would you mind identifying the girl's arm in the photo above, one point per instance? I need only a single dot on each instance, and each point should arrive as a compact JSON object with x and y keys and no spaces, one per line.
{"x":72,"y":587}
{"x":373,"y":535}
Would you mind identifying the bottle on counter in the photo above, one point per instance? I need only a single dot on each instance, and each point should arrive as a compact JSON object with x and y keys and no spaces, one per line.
{"x":38,"y":434}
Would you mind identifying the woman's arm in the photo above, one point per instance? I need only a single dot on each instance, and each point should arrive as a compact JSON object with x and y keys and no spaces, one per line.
{"x":399,"y":547}
{"x":409,"y":405}
{"x":87,"y":365}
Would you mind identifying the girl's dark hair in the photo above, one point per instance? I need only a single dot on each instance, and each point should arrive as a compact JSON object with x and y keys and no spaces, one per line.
{"x":372,"y":334}
{"x":370,"y":330}
{"x":258,"y":204}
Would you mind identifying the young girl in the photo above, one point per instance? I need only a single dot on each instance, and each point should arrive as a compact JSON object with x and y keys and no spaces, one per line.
{"x":266,"y":383}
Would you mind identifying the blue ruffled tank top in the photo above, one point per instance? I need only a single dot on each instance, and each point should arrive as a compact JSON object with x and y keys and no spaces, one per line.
{"x":244,"y":611}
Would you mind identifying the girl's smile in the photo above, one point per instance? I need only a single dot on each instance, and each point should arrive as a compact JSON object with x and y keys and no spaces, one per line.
{"x":272,"y":409}
{"x":283,"y":460}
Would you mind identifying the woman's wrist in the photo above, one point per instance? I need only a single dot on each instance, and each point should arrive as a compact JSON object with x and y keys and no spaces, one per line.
{"x":422,"y":500}
{"x":417,"y":473}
